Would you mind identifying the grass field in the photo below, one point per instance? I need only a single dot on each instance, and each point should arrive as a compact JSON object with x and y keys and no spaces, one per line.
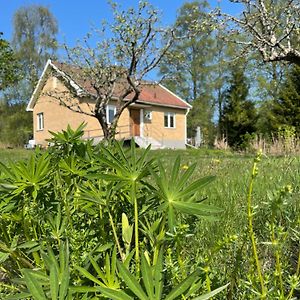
{"x":223,"y":246}
{"x":13,"y":154}
{"x":229,"y":190}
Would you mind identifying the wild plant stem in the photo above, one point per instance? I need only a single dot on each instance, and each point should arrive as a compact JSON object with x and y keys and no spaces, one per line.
{"x":290,"y":295}
{"x":136,"y":228}
{"x":251,"y":230}
{"x":115,"y":235}
{"x":277,"y":257}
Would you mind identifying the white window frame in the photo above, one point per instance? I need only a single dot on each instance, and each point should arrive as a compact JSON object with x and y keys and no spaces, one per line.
{"x":169,"y":115}
{"x":40,"y":121}
{"x":108,"y":108}
{"x":147,"y":115}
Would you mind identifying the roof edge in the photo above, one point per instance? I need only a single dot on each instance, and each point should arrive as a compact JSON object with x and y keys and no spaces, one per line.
{"x":79,"y":91}
{"x":179,"y":98}
{"x":31,"y":102}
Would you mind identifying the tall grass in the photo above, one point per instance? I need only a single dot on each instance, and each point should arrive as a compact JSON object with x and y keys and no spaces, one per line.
{"x":109,"y":220}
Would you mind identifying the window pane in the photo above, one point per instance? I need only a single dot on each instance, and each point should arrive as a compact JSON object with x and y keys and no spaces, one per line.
{"x":111,"y":114}
{"x":166,"y":120}
{"x":172,"y":121}
{"x":40,"y":121}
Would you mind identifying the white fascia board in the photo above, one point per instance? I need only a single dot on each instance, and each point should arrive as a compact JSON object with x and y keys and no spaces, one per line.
{"x":189,"y":105}
{"x":77,"y":88}
{"x":74,"y":85}
{"x":36,"y":90}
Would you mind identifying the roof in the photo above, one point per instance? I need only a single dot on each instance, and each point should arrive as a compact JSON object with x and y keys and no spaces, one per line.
{"x":151,"y":92}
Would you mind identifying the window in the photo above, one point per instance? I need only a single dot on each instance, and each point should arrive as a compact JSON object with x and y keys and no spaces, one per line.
{"x":169,"y":120}
{"x":110,"y":113}
{"x":40,"y":121}
{"x":147,"y":115}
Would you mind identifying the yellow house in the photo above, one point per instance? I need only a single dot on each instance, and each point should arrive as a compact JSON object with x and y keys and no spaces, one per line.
{"x":158,"y":117}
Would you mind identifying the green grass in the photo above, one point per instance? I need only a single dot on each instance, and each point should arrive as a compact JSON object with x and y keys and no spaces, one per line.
{"x":223,"y":247}
{"x":13,"y":154}
{"x":229,"y":190}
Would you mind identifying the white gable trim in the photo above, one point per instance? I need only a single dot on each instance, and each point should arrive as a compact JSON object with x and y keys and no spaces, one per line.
{"x":190,"y":106}
{"x":38,"y":87}
{"x":40,"y":84}
{"x":81,"y":92}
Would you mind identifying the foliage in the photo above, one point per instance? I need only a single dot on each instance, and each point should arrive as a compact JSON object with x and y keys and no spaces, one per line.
{"x":34,"y":43}
{"x":286,"y":108}
{"x":189,"y":61}
{"x":79,"y":197}
{"x":9,"y":66}
{"x":239,"y":113}
{"x":15,"y":125}
{"x":60,"y":210}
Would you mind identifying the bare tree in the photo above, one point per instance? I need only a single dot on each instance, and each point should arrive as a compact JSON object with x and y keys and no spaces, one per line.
{"x":113,"y":65}
{"x":271,"y":27}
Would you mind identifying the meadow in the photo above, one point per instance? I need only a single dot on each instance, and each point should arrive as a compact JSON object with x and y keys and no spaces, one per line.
{"x":230,"y":219}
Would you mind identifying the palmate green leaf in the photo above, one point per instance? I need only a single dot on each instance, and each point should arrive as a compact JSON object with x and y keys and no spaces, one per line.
{"x":175,"y":170}
{"x":29,"y":244}
{"x":7,"y":171}
{"x":114,"y":294}
{"x":195,"y":186}
{"x":98,"y":270}
{"x":147,"y":277}
{"x":171,"y":217}
{"x":84,"y":289}
{"x":64,"y":285}
{"x":198,"y":209}
{"x":88,"y":275}
{"x":133,"y":154}
{"x":183,"y":286}
{"x":3,"y":257}
{"x":33,"y":285}
{"x":131,"y":282}
{"x":104,"y":247}
{"x":54,"y":284}
{"x":158,"y":276}
{"x":212,"y":293}
{"x":186,"y":176}
{"x":92,"y":194}
{"x":111,"y":161}
{"x":4,"y":186}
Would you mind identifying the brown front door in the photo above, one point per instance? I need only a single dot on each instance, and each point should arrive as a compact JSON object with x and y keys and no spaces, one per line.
{"x":135,"y":122}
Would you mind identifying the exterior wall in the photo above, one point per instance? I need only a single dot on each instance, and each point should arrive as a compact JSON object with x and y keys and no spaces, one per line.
{"x":57,"y":117}
{"x":168,"y":137}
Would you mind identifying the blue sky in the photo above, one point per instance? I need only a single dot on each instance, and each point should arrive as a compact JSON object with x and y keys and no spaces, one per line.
{"x":76,"y":17}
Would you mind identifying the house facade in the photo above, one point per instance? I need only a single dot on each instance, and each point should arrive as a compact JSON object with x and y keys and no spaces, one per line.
{"x":157,"y":118}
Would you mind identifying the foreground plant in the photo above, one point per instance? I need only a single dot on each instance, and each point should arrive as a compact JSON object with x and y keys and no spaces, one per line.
{"x":275,"y":225}
{"x":60,"y":216}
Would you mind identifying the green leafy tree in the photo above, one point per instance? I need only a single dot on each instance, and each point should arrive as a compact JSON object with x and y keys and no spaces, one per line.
{"x":239,"y":113}
{"x":34,"y":41}
{"x":286,"y":108}
{"x":9,"y":67}
{"x":15,"y":125}
{"x":188,"y":64}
